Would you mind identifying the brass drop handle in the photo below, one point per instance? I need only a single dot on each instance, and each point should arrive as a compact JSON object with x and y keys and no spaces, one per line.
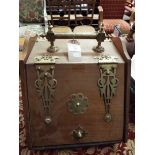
{"x":79,"y":133}
{"x":108,"y":117}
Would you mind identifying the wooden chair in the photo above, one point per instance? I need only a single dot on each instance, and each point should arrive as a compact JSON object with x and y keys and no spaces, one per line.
{"x":129,"y":13}
{"x":59,"y":11}
{"x":84,"y":12}
{"x":129,"y":7}
{"x":111,"y":13}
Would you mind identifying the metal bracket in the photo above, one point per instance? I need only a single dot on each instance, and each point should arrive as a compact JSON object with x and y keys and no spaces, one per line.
{"x":45,"y":86}
{"x":107,"y":84}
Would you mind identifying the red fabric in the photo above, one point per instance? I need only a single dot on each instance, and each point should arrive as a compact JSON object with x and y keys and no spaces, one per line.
{"x":117,"y":149}
{"x":113,"y":9}
{"x":109,"y":25}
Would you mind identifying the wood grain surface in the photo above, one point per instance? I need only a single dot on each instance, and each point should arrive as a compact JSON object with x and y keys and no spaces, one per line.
{"x":72,"y":78}
{"x":83,"y":80}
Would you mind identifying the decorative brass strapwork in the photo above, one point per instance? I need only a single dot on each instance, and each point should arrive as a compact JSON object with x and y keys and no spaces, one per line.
{"x":45,"y":86}
{"x":106,"y":59}
{"x":43,"y":59}
{"x":51,"y":38}
{"x":79,"y":133}
{"x":107,"y":84}
{"x":100,"y":38}
{"x":77,"y":103}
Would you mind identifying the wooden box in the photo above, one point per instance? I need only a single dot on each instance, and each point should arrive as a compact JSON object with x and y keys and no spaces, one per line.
{"x":71,"y":104}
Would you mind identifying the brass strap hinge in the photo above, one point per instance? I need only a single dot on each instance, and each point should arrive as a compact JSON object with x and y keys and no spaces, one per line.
{"x":45,"y":86}
{"x":107,"y":84}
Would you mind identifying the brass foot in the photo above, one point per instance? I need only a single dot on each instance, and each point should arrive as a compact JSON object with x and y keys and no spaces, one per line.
{"x":52,"y":49}
{"x":98,"y":49}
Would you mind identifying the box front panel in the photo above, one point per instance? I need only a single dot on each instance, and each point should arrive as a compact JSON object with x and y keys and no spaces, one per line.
{"x":61,"y":121}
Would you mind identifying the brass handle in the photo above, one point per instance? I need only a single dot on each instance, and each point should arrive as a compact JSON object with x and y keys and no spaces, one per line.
{"x":79,"y":133}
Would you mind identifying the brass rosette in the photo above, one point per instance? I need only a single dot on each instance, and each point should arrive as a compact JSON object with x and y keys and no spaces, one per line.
{"x":77,"y":103}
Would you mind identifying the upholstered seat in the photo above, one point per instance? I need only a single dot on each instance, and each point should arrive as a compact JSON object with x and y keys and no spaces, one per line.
{"x":62,"y":29}
{"x":111,"y":13}
{"x":84,"y":29}
{"x":109,"y":25}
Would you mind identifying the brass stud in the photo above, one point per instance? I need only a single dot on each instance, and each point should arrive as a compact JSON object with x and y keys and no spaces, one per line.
{"x":48,"y":120}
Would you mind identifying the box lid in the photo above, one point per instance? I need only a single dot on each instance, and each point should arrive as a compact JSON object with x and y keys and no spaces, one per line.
{"x":87,"y":53}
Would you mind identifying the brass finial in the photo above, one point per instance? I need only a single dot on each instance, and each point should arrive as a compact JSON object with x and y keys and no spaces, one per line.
{"x":51,"y":38}
{"x":100,"y":38}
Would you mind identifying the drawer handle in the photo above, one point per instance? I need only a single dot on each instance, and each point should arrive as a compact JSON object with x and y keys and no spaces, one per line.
{"x":79,"y":133}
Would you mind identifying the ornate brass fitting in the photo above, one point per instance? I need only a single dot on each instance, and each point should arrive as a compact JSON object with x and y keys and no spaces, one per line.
{"x":77,"y":103}
{"x":107,"y":84}
{"x":45,"y":86}
{"x":106,"y":59}
{"x":100,"y":38}
{"x":45,"y":59}
{"x":79,"y":133}
{"x":51,"y":38}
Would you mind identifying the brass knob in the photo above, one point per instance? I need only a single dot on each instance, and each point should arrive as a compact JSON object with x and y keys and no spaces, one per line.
{"x":77,"y":104}
{"x":108,"y":117}
{"x":79,"y":133}
{"x":48,"y":120}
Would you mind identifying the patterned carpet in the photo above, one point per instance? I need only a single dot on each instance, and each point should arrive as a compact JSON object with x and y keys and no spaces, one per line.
{"x":117,"y":149}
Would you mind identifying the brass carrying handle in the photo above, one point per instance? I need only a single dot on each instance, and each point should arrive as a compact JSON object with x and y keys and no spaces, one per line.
{"x":100,"y":36}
